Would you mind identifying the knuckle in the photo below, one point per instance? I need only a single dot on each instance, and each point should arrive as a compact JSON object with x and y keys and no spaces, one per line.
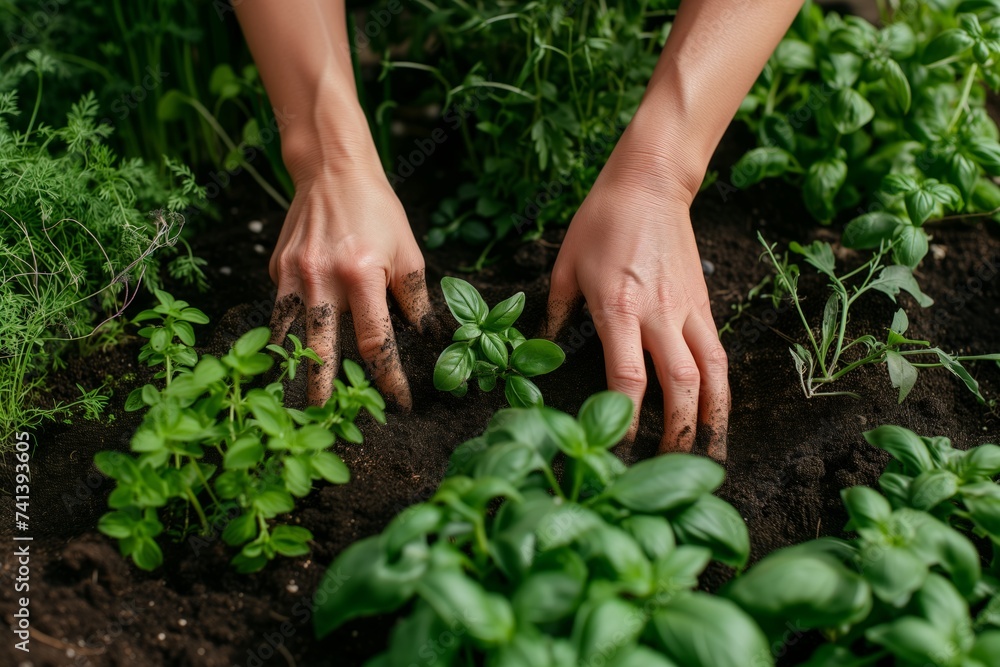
{"x":628,"y":378}
{"x":621,"y":303}
{"x":370,"y":344}
{"x":683,"y":373}
{"x":309,"y":266}
{"x":716,"y":361}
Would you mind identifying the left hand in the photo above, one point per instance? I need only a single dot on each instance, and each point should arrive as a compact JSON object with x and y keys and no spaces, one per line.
{"x":630,"y":252}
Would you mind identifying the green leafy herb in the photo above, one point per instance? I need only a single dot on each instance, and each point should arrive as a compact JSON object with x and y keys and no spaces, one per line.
{"x":577,"y":572}
{"x":831,"y":355}
{"x":888,"y":121}
{"x":265,"y":454}
{"x":488,"y":348}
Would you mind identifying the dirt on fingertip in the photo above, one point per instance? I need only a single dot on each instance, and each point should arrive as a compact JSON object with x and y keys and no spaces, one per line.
{"x":788,"y":457}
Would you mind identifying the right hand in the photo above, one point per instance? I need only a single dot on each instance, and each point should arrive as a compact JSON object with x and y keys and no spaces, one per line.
{"x":345,"y":240}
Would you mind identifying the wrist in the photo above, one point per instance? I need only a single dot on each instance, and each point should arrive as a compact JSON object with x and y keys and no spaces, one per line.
{"x":655,"y":156}
{"x":332,"y":138}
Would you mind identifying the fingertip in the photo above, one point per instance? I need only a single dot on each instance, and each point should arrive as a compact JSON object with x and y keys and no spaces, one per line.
{"x":677,"y":440}
{"x":395,"y":388}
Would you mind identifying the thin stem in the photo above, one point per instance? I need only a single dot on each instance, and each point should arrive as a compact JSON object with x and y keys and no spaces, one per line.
{"x":970,"y":78}
{"x":211,"y":120}
{"x":197,"y":508}
{"x":204,"y":481}
{"x":38,"y":103}
{"x":553,"y":482}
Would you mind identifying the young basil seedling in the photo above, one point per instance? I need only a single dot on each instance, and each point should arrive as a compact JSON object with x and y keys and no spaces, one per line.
{"x":911,"y":587}
{"x":267,"y":454}
{"x":488,"y":348}
{"x":597,"y":569}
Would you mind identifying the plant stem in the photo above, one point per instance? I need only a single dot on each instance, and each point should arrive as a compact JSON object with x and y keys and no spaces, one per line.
{"x":970,"y":78}
{"x":214,"y":124}
{"x":553,"y":482}
{"x":197,"y":508}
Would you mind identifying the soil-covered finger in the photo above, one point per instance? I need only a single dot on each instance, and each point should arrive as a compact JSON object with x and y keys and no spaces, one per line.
{"x":377,"y":347}
{"x":322,"y":323}
{"x":714,"y":400}
{"x":287,"y":308}
{"x":680,"y":380}
{"x":410,"y":293}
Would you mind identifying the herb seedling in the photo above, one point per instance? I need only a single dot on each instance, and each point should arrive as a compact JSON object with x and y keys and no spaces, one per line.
{"x":890,"y":121}
{"x":910,"y":588}
{"x":488,"y":348}
{"x":825,"y":360}
{"x":598,"y":569}
{"x":268,"y":454}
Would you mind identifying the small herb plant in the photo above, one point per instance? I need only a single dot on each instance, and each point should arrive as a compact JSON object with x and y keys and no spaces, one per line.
{"x":910,"y":587}
{"x":78,"y":238}
{"x":267,"y":454}
{"x":826,"y":359}
{"x":598,"y":569}
{"x":488,"y":348}
{"x":890,"y":122}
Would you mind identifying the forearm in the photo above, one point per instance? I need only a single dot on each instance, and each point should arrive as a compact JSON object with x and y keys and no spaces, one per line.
{"x":715,"y":51}
{"x":302,"y":51}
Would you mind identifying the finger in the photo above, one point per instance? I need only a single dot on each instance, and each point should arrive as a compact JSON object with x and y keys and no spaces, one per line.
{"x":680,"y":379}
{"x":410,"y":292}
{"x":714,"y":399}
{"x":287,"y":307}
{"x":377,"y":341}
{"x":623,"y":361}
{"x":322,"y":323}
{"x":564,"y":299}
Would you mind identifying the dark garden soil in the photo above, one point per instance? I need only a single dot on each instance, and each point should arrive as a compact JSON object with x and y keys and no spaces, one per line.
{"x":788,"y":456}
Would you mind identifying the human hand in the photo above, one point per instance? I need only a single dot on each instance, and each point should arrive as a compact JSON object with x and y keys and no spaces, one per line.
{"x":630,"y":252}
{"x":345,"y":240}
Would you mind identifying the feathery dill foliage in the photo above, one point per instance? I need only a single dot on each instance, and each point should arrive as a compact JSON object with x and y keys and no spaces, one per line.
{"x":75,"y":237}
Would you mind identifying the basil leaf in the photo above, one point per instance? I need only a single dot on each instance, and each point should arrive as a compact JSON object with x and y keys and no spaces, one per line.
{"x":822,"y":183}
{"x":537,"y":357}
{"x":850,"y":110}
{"x":464,"y":301}
{"x":505,"y":313}
{"x":698,"y":630}
{"x":666,"y":482}
{"x":453,"y":367}
{"x":869,"y":230}
{"x":902,"y":373}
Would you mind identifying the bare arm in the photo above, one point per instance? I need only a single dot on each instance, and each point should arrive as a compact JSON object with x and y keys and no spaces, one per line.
{"x":346,"y":238}
{"x":630,"y":251}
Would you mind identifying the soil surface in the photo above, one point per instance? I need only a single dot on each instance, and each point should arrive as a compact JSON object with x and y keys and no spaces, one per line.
{"x":788,"y":456}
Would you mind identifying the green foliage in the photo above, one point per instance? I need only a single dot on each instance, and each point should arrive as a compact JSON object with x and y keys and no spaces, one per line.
{"x":266,"y":454}
{"x":242,"y":91}
{"x":76,"y":237}
{"x":825,"y":360}
{"x":910,"y":587}
{"x":539,"y":93}
{"x":488,"y":348}
{"x":145,"y":61}
{"x":600,"y":567}
{"x":890,"y":122}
